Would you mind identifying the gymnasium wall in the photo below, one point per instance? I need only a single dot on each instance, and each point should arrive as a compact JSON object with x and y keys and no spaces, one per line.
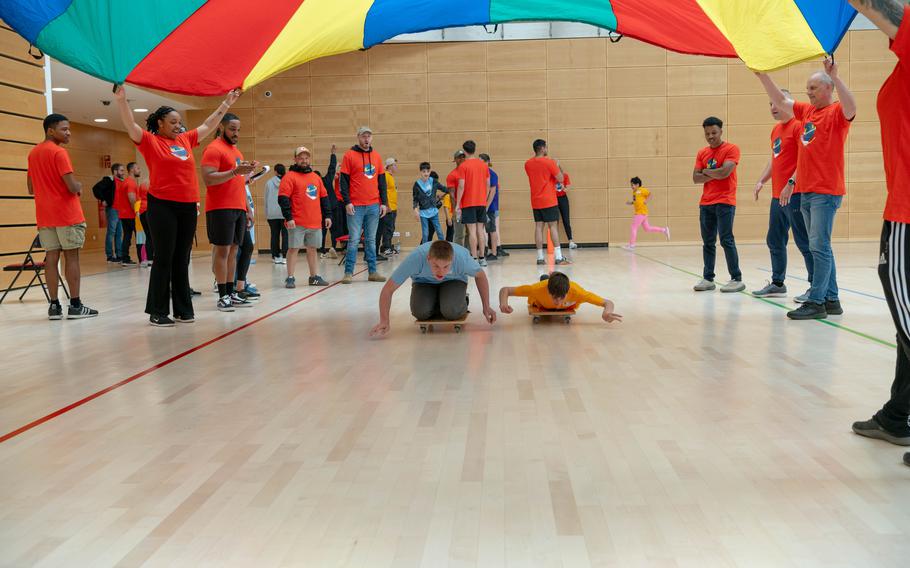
{"x":609,"y":111}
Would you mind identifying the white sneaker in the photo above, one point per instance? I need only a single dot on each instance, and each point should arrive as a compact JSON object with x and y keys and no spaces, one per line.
{"x":628,"y":247}
{"x":733,"y":286}
{"x":668,"y":233}
{"x":704,"y":286}
{"x":572,"y":245}
{"x":282,"y":260}
{"x":276,"y":260}
{"x":215,"y":287}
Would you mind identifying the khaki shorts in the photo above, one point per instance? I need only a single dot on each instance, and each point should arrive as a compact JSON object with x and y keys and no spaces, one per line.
{"x":299,"y":237}
{"x":65,"y":238}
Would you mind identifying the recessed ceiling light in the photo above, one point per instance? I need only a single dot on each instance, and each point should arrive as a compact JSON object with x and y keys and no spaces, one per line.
{"x":140,"y":110}
{"x":60,"y":89}
{"x":100,"y":120}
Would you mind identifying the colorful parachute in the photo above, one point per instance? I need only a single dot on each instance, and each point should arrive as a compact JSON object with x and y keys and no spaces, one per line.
{"x":200,"y":47}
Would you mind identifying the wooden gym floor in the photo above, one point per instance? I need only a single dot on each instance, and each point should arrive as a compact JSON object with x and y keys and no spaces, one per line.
{"x":706,"y":430}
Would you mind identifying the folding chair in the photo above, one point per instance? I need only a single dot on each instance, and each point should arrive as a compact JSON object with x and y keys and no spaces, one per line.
{"x":28,"y":264}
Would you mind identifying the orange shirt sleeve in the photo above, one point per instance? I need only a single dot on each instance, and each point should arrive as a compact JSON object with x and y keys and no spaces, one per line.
{"x":62,"y":163}
{"x":211,"y":157}
{"x":582,"y":296}
{"x":525,"y":291}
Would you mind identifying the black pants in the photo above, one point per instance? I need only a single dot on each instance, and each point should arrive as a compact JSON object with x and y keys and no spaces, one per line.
{"x":149,"y":242}
{"x":894,"y":272}
{"x":339,"y":224}
{"x":129,"y":228}
{"x":563,"y":203}
{"x":173,"y":226}
{"x":244,"y":255}
{"x":450,"y":232}
{"x":386,"y":231}
{"x":277,"y":231}
{"x":448,"y":300}
{"x":718,"y":219}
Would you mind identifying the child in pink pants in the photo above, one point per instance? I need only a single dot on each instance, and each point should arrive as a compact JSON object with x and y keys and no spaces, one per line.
{"x":640,"y":197}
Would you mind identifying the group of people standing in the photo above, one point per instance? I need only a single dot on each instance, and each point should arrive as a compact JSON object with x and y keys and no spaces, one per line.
{"x":125,"y":198}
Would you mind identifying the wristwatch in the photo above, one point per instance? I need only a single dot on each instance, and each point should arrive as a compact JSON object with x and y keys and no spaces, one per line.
{"x":791,"y":181}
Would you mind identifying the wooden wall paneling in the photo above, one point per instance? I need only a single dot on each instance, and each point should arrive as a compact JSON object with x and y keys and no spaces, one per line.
{"x":682,"y":201}
{"x":12,"y":182}
{"x":284,"y":91}
{"x":587,"y":203}
{"x":518,"y":145}
{"x":867,"y":197}
{"x":577,"y":113}
{"x":866,"y":110}
{"x":679,"y":171}
{"x":14,"y":155}
{"x":742,"y":81}
{"x":398,"y":88}
{"x":582,"y":53}
{"x":457,"y":57}
{"x":585,"y":230}
{"x":457,"y":87}
{"x":697,"y":80}
{"x":404,"y":147}
{"x":685,"y":141}
{"x":270,"y":121}
{"x":400,"y":118}
{"x":588,"y":173}
{"x":395,"y":58}
{"x":454,"y":117}
{"x":512,"y":175}
{"x":652,"y":171}
{"x":620,"y":231}
{"x":281,"y":150}
{"x":686,"y":228}
{"x":515,"y":203}
{"x":631,"y":53}
{"x":637,"y":82}
{"x":749,"y":109}
{"x":443,"y":146}
{"x":339,"y":120}
{"x":27,"y":103}
{"x":751,"y":138}
{"x":20,"y":128}
{"x":517,"y":85}
{"x":692,"y":111}
{"x":636,"y":112}
{"x":352,"y":63}
{"x":23,"y":75}
{"x":12,"y":45}
{"x":864,"y":225}
{"x":512,"y":55}
{"x":869,"y":45}
{"x":865,"y":166}
{"x":576,"y":83}
{"x":864,"y":137}
{"x":17,"y":239}
{"x":801,"y":72}
{"x":517,"y":115}
{"x":632,"y":142}
{"x":17,"y":211}
{"x":869,"y":75}
{"x":588,"y":143}
{"x":684,"y":59}
{"x":341,"y":90}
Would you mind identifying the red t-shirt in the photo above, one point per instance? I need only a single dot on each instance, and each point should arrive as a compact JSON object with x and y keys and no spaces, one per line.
{"x":55,"y":205}
{"x":821,"y":158}
{"x":452,"y":184}
{"x":143,"y":198}
{"x":542,"y":174}
{"x":337,"y":183}
{"x":718,"y":190}
{"x":476,"y":175}
{"x":172,"y":168}
{"x":305,"y":191}
{"x":364,"y":169}
{"x":232,"y":193}
{"x":895,"y":119}
{"x":122,"y":189}
{"x":561,"y":189}
{"x":784,"y":153}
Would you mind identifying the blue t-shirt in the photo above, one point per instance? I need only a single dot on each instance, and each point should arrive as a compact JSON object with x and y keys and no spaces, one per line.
{"x":494,"y":182}
{"x":417,"y":267}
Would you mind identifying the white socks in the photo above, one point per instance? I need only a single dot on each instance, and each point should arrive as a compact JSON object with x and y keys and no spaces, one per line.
{"x":557,"y":252}
{"x":540,"y":255}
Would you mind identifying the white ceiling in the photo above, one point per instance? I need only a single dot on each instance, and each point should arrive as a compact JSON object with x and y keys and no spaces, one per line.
{"x":83,"y":102}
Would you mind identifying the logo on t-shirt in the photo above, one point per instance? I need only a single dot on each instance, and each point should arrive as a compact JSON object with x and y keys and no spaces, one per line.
{"x":311,"y":191}
{"x":808,"y":134}
{"x":776,"y":147}
{"x":712,"y":164}
{"x":369,"y":171}
{"x":179,"y":152}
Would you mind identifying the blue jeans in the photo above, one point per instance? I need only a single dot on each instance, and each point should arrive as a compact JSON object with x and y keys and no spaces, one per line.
{"x":818,"y":211}
{"x":425,"y":223}
{"x":365,"y":218}
{"x":717,"y":220}
{"x":113,"y":239}
{"x":780,"y":221}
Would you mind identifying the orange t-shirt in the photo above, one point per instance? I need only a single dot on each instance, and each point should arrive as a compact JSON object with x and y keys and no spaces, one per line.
{"x":143,"y":198}
{"x":784,"y":153}
{"x":305,"y":191}
{"x":821,"y":158}
{"x":566,"y":182}
{"x":895,"y":120}
{"x":172,"y":168}
{"x":55,"y":205}
{"x":337,"y":183}
{"x":452,"y":184}
{"x":122,"y":189}
{"x":232,"y":193}
{"x":476,"y":175}
{"x":363,"y":169}
{"x":718,"y":190}
{"x":542,"y":174}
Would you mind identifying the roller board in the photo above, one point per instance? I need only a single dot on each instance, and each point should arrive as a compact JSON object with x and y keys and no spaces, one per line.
{"x":428,"y":325}
{"x":536,"y":314}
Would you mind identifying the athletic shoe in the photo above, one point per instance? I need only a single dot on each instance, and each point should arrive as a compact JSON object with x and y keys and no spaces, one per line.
{"x":239,"y":302}
{"x":501,"y":252}
{"x":161,"y":321}
{"x":252,"y":289}
{"x":196,"y":292}
{"x":704,"y":286}
{"x":541,"y":261}
{"x":113,"y":260}
{"x":249,"y":296}
{"x":184,"y":319}
{"x":317,"y":281}
{"x":492,"y":257}
{"x":282,"y":260}
{"x":333,"y":254}
{"x":732,"y":287}
{"x":145,"y":264}
{"x":771,"y":290}
{"x":388,"y":252}
{"x":215,"y":287}
{"x":833,"y":308}
{"x":808,"y":311}
{"x":290,"y":282}
{"x":276,"y":260}
{"x":381,"y":258}
{"x":802,"y":298}
{"x":55,"y":312}
{"x":224,"y":304}
{"x":375,"y":277}
{"x":482,"y":261}
{"x":667,"y":231}
{"x":563,"y":261}
{"x":80,"y":312}
{"x":127,"y":263}
{"x":872,"y":429}
{"x":348,"y":278}
{"x":628,"y":247}
{"x":572,"y":245}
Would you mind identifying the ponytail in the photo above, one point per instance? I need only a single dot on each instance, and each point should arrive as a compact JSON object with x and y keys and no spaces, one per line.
{"x":151,"y":123}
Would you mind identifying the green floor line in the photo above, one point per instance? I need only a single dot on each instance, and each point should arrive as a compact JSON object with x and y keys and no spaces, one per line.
{"x":779,"y":305}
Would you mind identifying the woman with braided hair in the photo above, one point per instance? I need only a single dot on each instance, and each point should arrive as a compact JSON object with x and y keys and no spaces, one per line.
{"x":173,"y":194}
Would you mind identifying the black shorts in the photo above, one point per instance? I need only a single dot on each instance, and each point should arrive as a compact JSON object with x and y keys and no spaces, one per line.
{"x":548,"y":215}
{"x":472,"y":215}
{"x":225,"y":227}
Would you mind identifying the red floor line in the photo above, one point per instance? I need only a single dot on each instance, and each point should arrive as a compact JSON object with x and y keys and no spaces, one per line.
{"x":139,"y":375}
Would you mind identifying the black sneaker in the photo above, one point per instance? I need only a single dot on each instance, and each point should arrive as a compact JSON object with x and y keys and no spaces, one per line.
{"x":492,"y":257}
{"x":317,"y":281}
{"x":872,"y":429}
{"x":249,"y":296}
{"x":195,"y":292}
{"x":808,"y":311}
{"x":55,"y":312}
{"x":239,"y":302}
{"x":184,"y":319}
{"x":501,"y":252}
{"x":381,"y":258}
{"x":161,"y":321}
{"x":833,"y":308}
{"x":80,"y":312}
{"x":224,"y":304}
{"x":127,"y":262}
{"x":541,"y":261}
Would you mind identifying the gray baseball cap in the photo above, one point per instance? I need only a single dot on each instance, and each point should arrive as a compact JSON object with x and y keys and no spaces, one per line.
{"x":364,"y":129}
